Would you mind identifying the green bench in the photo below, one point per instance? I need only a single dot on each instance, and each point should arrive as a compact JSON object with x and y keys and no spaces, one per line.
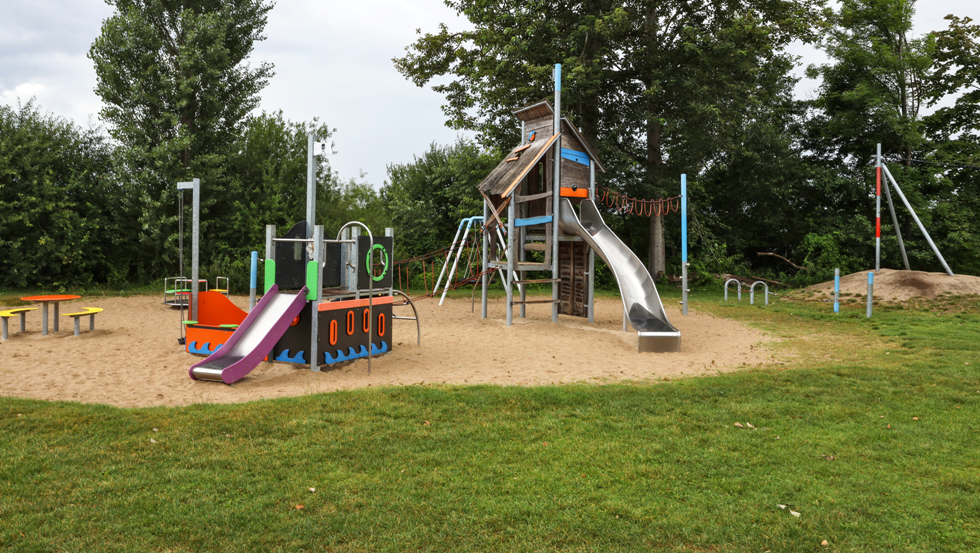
{"x":13,"y":313}
{"x":90,"y":311}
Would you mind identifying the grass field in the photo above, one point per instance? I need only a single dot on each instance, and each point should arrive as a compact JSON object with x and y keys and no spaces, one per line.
{"x":868,"y":430}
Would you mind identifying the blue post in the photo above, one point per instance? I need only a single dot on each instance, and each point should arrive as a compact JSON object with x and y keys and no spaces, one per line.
{"x":253,"y":280}
{"x":837,"y":290}
{"x":684,"y":243}
{"x":871,"y":291}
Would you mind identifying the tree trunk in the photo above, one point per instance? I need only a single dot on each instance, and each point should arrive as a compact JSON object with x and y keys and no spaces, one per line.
{"x":657,"y":254}
{"x":655,"y":161}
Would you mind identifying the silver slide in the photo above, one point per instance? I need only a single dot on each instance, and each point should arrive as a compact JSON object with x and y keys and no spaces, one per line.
{"x":253,"y":339}
{"x":640,"y":299}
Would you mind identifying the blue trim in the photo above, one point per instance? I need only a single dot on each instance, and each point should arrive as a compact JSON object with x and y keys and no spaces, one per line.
{"x":684,"y":218}
{"x":557,"y":77}
{"x":532,"y":221}
{"x":531,"y":135}
{"x":871,"y":278}
{"x":203,"y":350}
{"x":298,"y":358}
{"x":577,"y":157}
{"x":254,"y":278}
{"x":351,"y":354}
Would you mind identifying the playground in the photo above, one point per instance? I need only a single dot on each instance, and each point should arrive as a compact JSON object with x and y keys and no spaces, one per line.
{"x":130,"y":359}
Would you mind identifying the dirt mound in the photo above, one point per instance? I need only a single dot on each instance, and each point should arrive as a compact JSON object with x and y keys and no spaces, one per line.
{"x":900,"y":286}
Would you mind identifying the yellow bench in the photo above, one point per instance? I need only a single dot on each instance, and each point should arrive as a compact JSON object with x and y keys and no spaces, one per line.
{"x":90,"y":311}
{"x":11,"y":313}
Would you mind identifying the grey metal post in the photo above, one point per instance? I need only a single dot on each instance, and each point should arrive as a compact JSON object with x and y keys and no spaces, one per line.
{"x":871,"y":291}
{"x":315,"y":303}
{"x":522,"y":288}
{"x":922,"y":227}
{"x":898,"y":229}
{"x":44,"y":318}
{"x":355,"y":233}
{"x":485,"y":239}
{"x":556,"y":195}
{"x":345,"y":250}
{"x":591,"y":298}
{"x":195,"y":186}
{"x":22,"y":321}
{"x":878,"y":211}
{"x":511,"y":244}
{"x":270,"y":257}
{"x":310,"y":186}
{"x":56,"y":315}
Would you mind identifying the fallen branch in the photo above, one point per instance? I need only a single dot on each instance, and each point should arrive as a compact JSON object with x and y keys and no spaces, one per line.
{"x":768,"y":281}
{"x":784,"y":259}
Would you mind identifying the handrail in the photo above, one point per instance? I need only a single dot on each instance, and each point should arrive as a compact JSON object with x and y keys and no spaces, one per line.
{"x":408,"y":300}
{"x":370,"y":283}
{"x":737,"y":282}
{"x":752,"y":291}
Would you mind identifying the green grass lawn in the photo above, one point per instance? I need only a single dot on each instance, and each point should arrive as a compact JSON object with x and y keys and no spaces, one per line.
{"x":867,"y":429}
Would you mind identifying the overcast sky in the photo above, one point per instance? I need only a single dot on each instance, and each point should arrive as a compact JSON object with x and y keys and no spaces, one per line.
{"x":332,"y":61}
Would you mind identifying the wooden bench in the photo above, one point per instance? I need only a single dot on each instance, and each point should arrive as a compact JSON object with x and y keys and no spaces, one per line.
{"x":90,"y":311}
{"x":12,"y":312}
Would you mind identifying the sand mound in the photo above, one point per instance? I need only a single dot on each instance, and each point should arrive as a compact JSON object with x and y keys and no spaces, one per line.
{"x":899,"y":286}
{"x":132,"y":359}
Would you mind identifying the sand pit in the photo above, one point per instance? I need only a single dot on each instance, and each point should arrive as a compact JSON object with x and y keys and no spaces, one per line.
{"x":133,"y":359}
{"x":899,"y":286}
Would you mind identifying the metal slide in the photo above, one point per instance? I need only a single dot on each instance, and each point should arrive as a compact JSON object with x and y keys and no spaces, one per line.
{"x":253,"y":340}
{"x":640,"y":299}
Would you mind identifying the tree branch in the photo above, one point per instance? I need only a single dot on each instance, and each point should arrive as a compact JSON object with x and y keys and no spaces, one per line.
{"x":784,"y":259}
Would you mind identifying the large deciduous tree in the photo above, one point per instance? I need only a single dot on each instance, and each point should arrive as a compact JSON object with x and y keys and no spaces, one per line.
{"x":177,"y":87}
{"x":660,"y":87}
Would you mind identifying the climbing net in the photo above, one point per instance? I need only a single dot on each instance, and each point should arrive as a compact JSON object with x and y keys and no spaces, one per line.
{"x":622,"y":203}
{"x":430,"y":265}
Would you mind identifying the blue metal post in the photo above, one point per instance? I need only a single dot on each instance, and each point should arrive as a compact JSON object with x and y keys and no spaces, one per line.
{"x":871,"y":291}
{"x":684,"y":264}
{"x":837,"y":290}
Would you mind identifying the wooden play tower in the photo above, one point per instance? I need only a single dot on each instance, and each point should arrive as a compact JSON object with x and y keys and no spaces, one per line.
{"x":553,"y":161}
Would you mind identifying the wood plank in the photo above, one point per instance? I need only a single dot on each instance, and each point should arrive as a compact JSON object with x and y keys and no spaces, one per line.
{"x":535,"y":301}
{"x":535,"y":247}
{"x":532,"y":197}
{"x":538,"y":281}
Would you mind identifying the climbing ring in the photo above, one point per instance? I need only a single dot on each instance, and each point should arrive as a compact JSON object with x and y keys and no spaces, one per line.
{"x":383,"y":257}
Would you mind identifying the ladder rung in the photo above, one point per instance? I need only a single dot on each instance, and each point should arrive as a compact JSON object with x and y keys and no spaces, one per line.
{"x":537,"y":281}
{"x":536,"y":301}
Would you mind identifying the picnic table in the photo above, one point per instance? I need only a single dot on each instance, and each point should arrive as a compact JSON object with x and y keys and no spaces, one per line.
{"x":44,"y":301}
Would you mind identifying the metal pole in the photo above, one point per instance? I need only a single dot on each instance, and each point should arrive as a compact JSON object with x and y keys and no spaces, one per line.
{"x":684,"y":243}
{"x":484,"y":238}
{"x":591,"y":298}
{"x":871,"y":291}
{"x":837,"y":290}
{"x":318,"y":296}
{"x":345,"y":260}
{"x":878,"y":210}
{"x":310,"y":186}
{"x":355,"y":262}
{"x":898,"y":230}
{"x":195,"y":186}
{"x":922,"y":227}
{"x":510,"y":263}
{"x":555,"y":196}
{"x":253,"y":281}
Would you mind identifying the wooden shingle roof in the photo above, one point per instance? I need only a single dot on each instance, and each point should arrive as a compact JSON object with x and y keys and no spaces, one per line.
{"x":508,"y":174}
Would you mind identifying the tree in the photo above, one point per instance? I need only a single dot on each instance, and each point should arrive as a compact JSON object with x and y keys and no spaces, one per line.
{"x":658,"y":87}
{"x":59,"y":204}
{"x":875,"y":87}
{"x":174,"y":77}
{"x":427,"y":198}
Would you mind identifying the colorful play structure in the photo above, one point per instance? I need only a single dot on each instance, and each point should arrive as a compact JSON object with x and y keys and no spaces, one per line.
{"x":326,"y":301}
{"x":533,"y":194}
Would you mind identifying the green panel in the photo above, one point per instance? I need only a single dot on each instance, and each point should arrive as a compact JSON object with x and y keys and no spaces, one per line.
{"x":311,"y":283}
{"x":270,"y":274}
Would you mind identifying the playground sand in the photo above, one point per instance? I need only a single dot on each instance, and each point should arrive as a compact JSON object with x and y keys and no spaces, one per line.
{"x":133,"y":359}
{"x":899,"y":286}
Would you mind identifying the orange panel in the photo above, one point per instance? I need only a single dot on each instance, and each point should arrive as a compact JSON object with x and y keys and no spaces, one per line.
{"x":579,"y":193}
{"x":216,"y":309}
{"x":348,"y":304}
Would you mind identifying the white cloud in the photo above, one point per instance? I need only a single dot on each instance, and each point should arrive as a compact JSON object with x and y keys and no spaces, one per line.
{"x":21,"y":93}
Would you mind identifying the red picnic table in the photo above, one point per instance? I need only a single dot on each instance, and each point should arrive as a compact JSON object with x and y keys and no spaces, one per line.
{"x":44,"y":300}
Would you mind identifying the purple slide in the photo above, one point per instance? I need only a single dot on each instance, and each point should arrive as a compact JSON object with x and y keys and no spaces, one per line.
{"x":253,"y":340}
